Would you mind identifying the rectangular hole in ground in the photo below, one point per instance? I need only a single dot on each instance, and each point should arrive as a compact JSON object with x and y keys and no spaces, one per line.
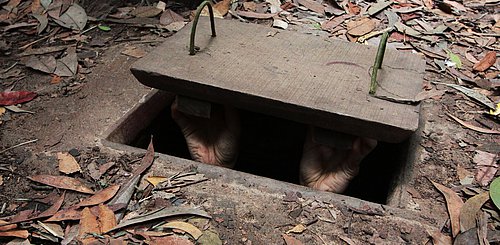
{"x":272,"y":147}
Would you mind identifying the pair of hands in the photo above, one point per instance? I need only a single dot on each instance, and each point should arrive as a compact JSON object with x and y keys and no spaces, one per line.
{"x":215,"y":141}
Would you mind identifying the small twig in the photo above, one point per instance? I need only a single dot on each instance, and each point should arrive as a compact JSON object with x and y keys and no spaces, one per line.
{"x":378,"y":62}
{"x":89,"y":29}
{"x":41,"y":39}
{"x":9,"y":68}
{"x":4,"y":206}
{"x":18,"y":145}
{"x":374,"y":34}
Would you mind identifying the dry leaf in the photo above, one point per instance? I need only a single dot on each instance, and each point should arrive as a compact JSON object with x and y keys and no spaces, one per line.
{"x":353,"y":8}
{"x":289,"y":240}
{"x":29,"y":214}
{"x":88,"y":224}
{"x":475,"y":128}
{"x":360,"y":27}
{"x":134,"y":52}
{"x":66,"y":214}
{"x":469,"y":211}
{"x":222,"y":7}
{"x":454,"y":203}
{"x":100,"y":196}
{"x":254,"y":15}
{"x":107,"y":219}
{"x":487,"y":166}
{"x":297,"y":229}
{"x":465,"y":177}
{"x":173,"y":240}
{"x":15,"y":233}
{"x":74,"y":18}
{"x":313,"y":5}
{"x":187,"y":227}
{"x":169,"y":17}
{"x":146,"y":11}
{"x":36,"y":7}
{"x":45,"y":64}
{"x":67,"y":66}
{"x":5,"y":227}
{"x":67,"y":163}
{"x":62,"y":182}
{"x":155,"y":180}
{"x":489,"y":59}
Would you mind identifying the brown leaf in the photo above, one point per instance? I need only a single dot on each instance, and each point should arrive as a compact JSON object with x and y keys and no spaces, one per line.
{"x":475,"y":128}
{"x":174,"y":240}
{"x":62,"y":182}
{"x":67,"y":163}
{"x":360,"y":27}
{"x":469,"y":211}
{"x":289,"y":240}
{"x":88,"y":224}
{"x":184,"y":226}
{"x":146,"y":11}
{"x":254,"y":15}
{"x":107,"y":219}
{"x":222,"y":7}
{"x":5,"y":226}
{"x":36,"y":7}
{"x":454,"y":203}
{"x":297,"y":229}
{"x":487,"y":166}
{"x":313,"y":5}
{"x":147,"y":160}
{"x":489,"y":59}
{"x":353,"y":8}
{"x":25,"y":216}
{"x":100,"y":197}
{"x":65,"y":214}
{"x":134,"y":52}
{"x":439,"y":238}
{"x":45,"y":64}
{"x":16,"y":97}
{"x":15,"y":233}
{"x":169,"y":17}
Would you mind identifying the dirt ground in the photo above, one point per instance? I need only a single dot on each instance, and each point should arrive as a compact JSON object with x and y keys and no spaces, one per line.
{"x":73,"y":114}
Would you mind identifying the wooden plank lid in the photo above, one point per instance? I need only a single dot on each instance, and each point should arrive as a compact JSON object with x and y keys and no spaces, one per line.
{"x":296,"y":76}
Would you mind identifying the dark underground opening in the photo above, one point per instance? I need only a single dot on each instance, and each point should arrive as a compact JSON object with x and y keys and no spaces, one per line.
{"x":272,"y":147}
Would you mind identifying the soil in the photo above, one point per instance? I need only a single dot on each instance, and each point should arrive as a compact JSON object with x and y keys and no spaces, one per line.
{"x":73,"y":116}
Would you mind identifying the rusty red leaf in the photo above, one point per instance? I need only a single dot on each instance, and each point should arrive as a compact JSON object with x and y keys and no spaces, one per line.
{"x":16,"y":97}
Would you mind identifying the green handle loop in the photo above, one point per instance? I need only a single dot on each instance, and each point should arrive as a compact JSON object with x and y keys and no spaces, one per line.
{"x":378,"y":62}
{"x":195,"y":22}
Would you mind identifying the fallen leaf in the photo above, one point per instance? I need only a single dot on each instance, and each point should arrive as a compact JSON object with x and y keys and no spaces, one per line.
{"x":5,"y":226}
{"x":174,"y":240}
{"x":411,"y":32}
{"x":88,"y":224}
{"x":16,"y":97}
{"x":454,"y":58}
{"x":475,"y":128}
{"x":489,"y":59}
{"x":16,"y":109}
{"x":487,"y":166}
{"x":74,"y":18}
{"x":467,"y":238}
{"x":222,"y":7}
{"x":67,"y":66}
{"x":100,"y":196}
{"x":313,"y":5}
{"x":495,"y":192}
{"x":278,"y":23}
{"x":43,"y":50}
{"x":353,"y":8}
{"x":67,"y":163}
{"x":62,"y":182}
{"x":36,"y":7}
{"x":162,"y":213}
{"x":209,"y":238}
{"x":155,"y":180}
{"x":479,"y":97}
{"x":65,"y":214}
{"x":169,"y":17}
{"x":105,"y":167}
{"x":274,"y":5}
{"x":43,"y":21}
{"x":19,"y":241}
{"x":133,"y":52}
{"x":15,"y":233}
{"x":454,"y":203}
{"x":104,"y":28}
{"x":146,"y":11}
{"x":465,"y":177}
{"x":378,"y":6}
{"x":470,"y":209}
{"x":45,"y":64}
{"x":106,"y":218}
{"x":297,"y":229}
{"x":360,"y":27}
{"x":289,"y":240}
{"x":25,"y":216}
{"x":184,"y":226}
{"x":439,"y":238}
{"x":254,"y":15}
